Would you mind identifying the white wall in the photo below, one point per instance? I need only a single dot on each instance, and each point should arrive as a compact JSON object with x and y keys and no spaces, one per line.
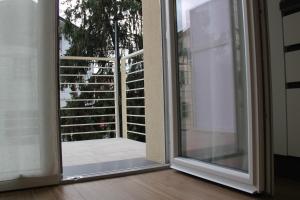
{"x":154,"y":86}
{"x":285,"y":69}
{"x":278,"y":78}
{"x":292,"y":36}
{"x":64,"y":45}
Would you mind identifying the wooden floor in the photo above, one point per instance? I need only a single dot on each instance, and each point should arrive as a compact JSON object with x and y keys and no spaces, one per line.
{"x":161,"y":185}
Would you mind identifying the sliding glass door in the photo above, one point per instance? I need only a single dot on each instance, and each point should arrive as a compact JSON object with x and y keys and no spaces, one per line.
{"x":28,"y":94}
{"x":213,"y":90}
{"x":214,"y":94}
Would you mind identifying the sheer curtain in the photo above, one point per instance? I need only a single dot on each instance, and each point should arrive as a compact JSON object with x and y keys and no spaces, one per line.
{"x":28,"y":103}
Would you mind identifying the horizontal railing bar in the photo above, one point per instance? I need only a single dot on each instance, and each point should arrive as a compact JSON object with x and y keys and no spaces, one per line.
{"x":137,"y":63}
{"x":129,"y":115}
{"x":90,"y":124}
{"x":86,"y":116}
{"x":89,"y":132}
{"x":130,"y":90}
{"x":138,"y":133}
{"x":135,"y":72}
{"x":76,"y":100}
{"x":137,"y":124}
{"x":135,"y":81}
{"x":133,"y":98}
{"x":135,"y":106}
{"x":107,"y":91}
{"x":85,"y":67}
{"x":73,"y":75}
{"x":137,"y":53}
{"x":88,"y":108}
{"x":86,"y":58}
{"x":86,"y":83}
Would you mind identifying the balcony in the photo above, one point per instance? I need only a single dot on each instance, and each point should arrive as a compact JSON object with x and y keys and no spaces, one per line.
{"x":102,"y":156}
{"x":102,"y":114}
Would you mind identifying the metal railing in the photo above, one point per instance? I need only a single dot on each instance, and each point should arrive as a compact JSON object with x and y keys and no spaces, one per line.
{"x":87,"y":98}
{"x":133,"y":112}
{"x":89,"y":95}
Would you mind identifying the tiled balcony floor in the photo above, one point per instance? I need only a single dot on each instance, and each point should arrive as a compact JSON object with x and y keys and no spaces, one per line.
{"x":99,"y":156}
{"x":104,"y":150}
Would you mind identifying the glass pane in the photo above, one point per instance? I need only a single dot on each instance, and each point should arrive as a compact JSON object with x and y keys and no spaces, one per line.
{"x":212,"y":79}
{"x":28,"y":129}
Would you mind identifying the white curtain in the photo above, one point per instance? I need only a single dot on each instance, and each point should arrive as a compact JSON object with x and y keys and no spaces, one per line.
{"x":28,"y":103}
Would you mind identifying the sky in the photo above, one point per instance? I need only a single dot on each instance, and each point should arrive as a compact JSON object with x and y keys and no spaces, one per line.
{"x":63,"y":6}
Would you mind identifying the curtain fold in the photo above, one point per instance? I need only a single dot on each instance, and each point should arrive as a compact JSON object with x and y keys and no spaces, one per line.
{"x":28,"y":92}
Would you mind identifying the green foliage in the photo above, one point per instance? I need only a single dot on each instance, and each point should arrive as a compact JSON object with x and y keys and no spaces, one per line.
{"x":95,"y":34}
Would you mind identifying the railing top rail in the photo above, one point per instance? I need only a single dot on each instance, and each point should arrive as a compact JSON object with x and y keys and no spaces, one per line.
{"x":86,"y":58}
{"x":88,"y":132}
{"x":137,"y":53}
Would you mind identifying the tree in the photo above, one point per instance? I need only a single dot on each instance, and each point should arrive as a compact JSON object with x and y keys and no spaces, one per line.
{"x":95,"y":34}
{"x":89,"y":26}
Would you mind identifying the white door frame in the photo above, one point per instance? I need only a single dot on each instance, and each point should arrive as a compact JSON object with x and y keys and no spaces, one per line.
{"x":253,"y":182}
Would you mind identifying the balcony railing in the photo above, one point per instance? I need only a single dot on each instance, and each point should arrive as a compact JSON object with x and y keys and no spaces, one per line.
{"x":89,"y":95}
{"x":133,"y":96}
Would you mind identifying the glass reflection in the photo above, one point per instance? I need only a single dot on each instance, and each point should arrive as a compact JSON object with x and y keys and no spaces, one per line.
{"x":212,"y":78}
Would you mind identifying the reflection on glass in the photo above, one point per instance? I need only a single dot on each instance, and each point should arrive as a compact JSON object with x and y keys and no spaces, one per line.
{"x":212,"y":78}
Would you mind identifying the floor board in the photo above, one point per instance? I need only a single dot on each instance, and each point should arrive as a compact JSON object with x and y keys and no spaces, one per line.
{"x":161,"y":185}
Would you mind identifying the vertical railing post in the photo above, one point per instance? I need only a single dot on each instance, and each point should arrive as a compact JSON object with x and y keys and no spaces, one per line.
{"x":116,"y":81}
{"x":124,"y":95}
{"x":116,"y":93}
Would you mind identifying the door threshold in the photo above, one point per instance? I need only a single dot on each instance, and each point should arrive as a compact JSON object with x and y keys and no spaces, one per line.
{"x":114,"y":174}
